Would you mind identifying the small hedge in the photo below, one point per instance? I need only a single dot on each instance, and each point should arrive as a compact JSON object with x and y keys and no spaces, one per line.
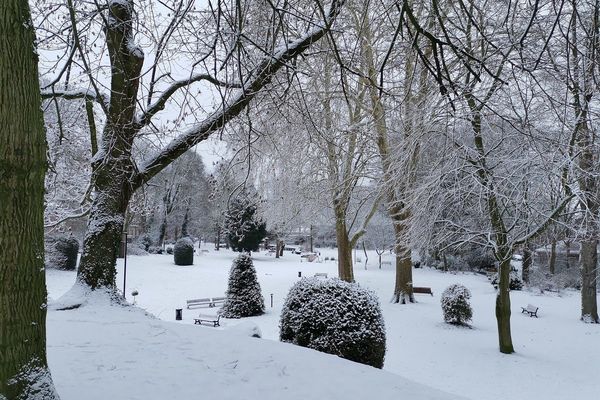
{"x":183,"y":251}
{"x":61,"y":252}
{"x":455,"y":305}
{"x":335,"y":317}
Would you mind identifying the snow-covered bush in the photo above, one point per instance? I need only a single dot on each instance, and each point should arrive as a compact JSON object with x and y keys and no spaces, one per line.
{"x":243,"y":297}
{"x":334,"y":317}
{"x":61,"y":252}
{"x":145,"y":242}
{"x":516,"y":283}
{"x":455,"y":305}
{"x":184,"y":251}
{"x":245,"y":229}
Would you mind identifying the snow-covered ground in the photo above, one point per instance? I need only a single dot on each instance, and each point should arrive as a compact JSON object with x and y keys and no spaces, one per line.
{"x":100,"y":351}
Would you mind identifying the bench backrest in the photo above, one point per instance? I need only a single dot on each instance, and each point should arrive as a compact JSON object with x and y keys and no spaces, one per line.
{"x":531,"y":307}
{"x":194,"y":301}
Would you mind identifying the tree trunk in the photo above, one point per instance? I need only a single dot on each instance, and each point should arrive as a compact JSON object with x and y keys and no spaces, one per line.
{"x":105,"y":227}
{"x":345,"y":271}
{"x":589,"y":276}
{"x":527,"y":263}
{"x":503,"y":308}
{"x":24,"y":372}
{"x":115,"y":170}
{"x":552,"y":260}
{"x":403,"y":292}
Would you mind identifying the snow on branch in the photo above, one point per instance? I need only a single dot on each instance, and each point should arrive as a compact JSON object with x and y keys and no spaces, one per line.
{"x":86,"y":94}
{"x":257,"y":79}
{"x":159,"y":105}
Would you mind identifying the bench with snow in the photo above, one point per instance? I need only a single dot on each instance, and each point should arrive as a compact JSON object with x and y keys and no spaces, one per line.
{"x":321,"y":275}
{"x":530,"y":309}
{"x":210,"y":319}
{"x":423,"y":290}
{"x":206,"y":301}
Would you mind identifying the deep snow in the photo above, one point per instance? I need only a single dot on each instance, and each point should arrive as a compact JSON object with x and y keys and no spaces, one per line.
{"x":100,"y":351}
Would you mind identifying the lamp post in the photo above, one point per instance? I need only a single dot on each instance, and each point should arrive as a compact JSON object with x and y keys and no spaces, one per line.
{"x":124,"y":241}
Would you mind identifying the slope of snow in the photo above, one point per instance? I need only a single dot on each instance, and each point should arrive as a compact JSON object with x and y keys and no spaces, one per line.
{"x":556,"y":356}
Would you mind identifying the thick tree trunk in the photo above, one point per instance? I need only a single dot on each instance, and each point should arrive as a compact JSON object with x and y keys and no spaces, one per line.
{"x":105,"y":227}
{"x":589,"y":277}
{"x":24,"y":370}
{"x":115,"y":170}
{"x":345,"y":270}
{"x":503,"y":308}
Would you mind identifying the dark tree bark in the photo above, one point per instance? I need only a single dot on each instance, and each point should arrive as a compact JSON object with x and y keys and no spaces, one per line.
{"x":24,"y":372}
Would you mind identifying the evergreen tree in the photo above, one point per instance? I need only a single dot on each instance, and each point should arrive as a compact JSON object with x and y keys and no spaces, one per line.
{"x":245,"y":230}
{"x":244,"y":297}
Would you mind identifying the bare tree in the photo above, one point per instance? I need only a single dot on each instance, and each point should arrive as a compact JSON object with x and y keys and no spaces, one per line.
{"x":251,"y":64}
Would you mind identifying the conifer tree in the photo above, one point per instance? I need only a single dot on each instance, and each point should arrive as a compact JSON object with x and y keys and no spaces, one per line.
{"x":244,"y":297}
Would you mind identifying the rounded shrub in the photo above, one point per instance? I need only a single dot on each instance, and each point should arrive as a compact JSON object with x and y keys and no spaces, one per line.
{"x":334,"y":317}
{"x":244,"y":297}
{"x":183,"y":251}
{"x":61,"y":252}
{"x":455,"y":305}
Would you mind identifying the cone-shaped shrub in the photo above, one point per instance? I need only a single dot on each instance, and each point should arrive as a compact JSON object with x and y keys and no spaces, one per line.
{"x":334,"y":317}
{"x":455,"y":304}
{"x":243,"y":297}
{"x":61,"y":252}
{"x":184,"y":251}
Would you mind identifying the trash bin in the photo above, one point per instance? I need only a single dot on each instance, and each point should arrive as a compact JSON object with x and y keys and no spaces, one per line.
{"x":178,"y":314}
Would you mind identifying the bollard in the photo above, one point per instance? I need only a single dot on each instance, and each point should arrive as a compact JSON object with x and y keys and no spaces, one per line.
{"x":299,"y":274}
{"x":271,"y":300}
{"x":178,"y":314}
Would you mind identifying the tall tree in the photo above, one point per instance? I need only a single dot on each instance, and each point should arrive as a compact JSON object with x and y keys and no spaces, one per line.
{"x":24,"y":372}
{"x":248,"y":66}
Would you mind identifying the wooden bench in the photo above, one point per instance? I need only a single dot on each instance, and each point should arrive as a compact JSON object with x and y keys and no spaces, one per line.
{"x":210,"y":319}
{"x":206,"y":301}
{"x":321,"y":275}
{"x":530,"y":309}
{"x":423,"y":290}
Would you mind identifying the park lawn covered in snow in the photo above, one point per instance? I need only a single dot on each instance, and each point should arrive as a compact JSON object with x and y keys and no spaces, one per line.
{"x":120,"y":352}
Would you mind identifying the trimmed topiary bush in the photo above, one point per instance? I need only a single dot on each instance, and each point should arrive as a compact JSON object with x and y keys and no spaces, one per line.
{"x":455,"y":305}
{"x":334,"y":317}
{"x":183,"y":251}
{"x":244,"y":297}
{"x":61,"y":252}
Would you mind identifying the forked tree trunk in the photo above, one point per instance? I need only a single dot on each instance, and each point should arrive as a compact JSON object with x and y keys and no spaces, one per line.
{"x":589,"y":277}
{"x":24,"y":372}
{"x":113,"y":174}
